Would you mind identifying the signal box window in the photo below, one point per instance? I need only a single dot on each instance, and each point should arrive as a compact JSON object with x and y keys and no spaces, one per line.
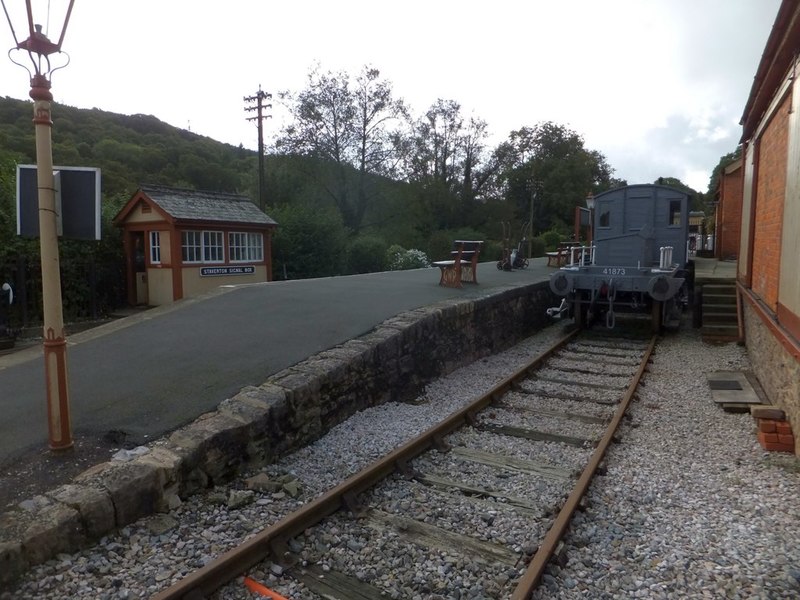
{"x":155,"y":247}
{"x":212,"y":246}
{"x":191,"y":246}
{"x":245,"y":247}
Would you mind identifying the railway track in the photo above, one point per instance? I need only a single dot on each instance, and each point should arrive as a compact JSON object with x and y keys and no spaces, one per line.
{"x":538,"y":437}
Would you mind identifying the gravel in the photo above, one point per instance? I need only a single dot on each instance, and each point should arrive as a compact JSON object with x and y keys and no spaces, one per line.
{"x":690,"y":505}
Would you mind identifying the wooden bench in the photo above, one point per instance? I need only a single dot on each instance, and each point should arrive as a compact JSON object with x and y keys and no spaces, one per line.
{"x":562,"y":255}
{"x":464,"y":265}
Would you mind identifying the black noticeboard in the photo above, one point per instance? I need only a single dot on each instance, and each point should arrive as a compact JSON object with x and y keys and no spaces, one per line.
{"x":77,"y":202}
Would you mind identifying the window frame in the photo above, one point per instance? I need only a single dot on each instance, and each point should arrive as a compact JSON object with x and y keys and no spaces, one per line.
{"x":671,"y":213}
{"x":218,"y":245}
{"x":196,"y":246}
{"x":154,"y":238}
{"x":252,"y":252}
{"x":603,"y":210}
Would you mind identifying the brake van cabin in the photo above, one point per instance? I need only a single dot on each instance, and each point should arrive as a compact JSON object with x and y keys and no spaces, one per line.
{"x":180,"y":243}
{"x":632,"y":223}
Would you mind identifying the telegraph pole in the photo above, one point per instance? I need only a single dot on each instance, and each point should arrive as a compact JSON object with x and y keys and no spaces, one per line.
{"x":259,"y":119}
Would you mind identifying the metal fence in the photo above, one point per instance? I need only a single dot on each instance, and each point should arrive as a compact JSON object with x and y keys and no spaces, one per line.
{"x":89,"y":290}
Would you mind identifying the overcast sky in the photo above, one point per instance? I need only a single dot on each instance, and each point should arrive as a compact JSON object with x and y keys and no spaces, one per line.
{"x":657,"y":86}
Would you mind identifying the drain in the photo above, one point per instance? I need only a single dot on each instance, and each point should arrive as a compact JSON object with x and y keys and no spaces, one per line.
{"x":724,"y":384}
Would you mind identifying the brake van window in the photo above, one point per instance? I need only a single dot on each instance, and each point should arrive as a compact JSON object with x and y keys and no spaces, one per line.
{"x":674,"y":212}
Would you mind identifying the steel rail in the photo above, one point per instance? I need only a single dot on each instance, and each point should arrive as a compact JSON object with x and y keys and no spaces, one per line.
{"x":548,"y":547}
{"x":272,"y":541}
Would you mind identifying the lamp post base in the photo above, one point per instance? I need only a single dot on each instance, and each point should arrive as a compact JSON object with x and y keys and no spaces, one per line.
{"x":55,"y":366}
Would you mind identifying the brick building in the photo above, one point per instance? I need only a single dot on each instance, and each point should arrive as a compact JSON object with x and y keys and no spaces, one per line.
{"x":728,"y":216}
{"x":768,"y":269}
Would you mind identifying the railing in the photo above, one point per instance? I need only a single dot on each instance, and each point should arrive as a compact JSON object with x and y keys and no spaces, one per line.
{"x":580,"y":256}
{"x":89,"y":290}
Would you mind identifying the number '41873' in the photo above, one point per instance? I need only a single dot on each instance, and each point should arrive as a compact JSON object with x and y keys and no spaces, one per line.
{"x":613,"y":271}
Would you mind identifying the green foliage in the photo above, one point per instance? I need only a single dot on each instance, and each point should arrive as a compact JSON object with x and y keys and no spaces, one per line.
{"x":548,"y":167}
{"x":366,"y":254}
{"x":551,"y":239}
{"x":129,"y":150}
{"x":348,"y":124}
{"x":538,"y":247}
{"x":697,"y":200}
{"x":492,"y":250}
{"x":440,"y":243}
{"x":308,"y":243}
{"x":400,"y":259}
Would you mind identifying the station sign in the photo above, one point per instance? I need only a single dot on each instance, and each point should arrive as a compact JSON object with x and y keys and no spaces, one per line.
{"x":219,"y":271}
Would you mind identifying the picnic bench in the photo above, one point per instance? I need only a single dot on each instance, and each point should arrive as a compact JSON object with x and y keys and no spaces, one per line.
{"x":464,"y":265}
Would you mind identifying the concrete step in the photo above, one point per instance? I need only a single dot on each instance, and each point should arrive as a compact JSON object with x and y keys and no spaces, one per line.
{"x":715,"y":318}
{"x":719,"y":299}
{"x":729,"y":309}
{"x":719,"y":288}
{"x":720,"y":332}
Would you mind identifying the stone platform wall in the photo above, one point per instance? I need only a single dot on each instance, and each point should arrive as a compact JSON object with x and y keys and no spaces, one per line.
{"x":777,"y":371}
{"x":260,"y":424}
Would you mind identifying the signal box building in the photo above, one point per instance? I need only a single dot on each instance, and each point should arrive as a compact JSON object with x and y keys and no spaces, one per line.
{"x":181,"y":243}
{"x":769,"y":249}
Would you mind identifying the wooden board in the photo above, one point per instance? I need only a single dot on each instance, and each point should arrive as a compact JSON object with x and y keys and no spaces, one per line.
{"x":596,"y":386}
{"x":564,"y":396}
{"x":431,"y":536}
{"x":335,"y":586}
{"x":539,"y":436}
{"x":514,"y":464}
{"x":505,"y":501}
{"x":570,"y":416}
{"x":732,"y":388}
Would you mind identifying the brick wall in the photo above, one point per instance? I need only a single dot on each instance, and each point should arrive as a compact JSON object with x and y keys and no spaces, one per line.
{"x":730,"y":215}
{"x":770,"y":190}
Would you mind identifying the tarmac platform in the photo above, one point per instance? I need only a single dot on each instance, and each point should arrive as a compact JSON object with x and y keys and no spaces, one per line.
{"x":142,"y":376}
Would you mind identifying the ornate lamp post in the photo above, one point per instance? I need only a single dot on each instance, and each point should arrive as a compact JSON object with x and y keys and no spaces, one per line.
{"x":39,"y":49}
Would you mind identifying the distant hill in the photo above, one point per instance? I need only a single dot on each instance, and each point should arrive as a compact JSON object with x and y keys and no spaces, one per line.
{"x":130,"y":150}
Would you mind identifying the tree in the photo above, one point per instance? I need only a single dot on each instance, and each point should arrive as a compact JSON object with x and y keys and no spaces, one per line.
{"x":444,"y":160}
{"x":713,"y":182}
{"x":549,"y":164}
{"x":696,"y":199}
{"x":302,"y":233}
{"x":434,"y":144}
{"x":351,"y":127}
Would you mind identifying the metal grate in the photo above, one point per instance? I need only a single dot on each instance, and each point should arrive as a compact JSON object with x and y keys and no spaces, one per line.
{"x":724,"y":384}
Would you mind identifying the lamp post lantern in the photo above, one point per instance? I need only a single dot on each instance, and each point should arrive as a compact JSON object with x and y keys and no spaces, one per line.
{"x":39,"y":49}
{"x":590,"y":206}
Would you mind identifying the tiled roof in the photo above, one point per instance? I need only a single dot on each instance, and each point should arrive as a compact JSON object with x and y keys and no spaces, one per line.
{"x":195,"y":205}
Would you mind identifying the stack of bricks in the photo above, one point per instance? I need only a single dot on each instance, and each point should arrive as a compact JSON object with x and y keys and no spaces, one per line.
{"x":774,"y":431}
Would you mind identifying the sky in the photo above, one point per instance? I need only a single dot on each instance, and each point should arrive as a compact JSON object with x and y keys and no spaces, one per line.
{"x":657,"y":86}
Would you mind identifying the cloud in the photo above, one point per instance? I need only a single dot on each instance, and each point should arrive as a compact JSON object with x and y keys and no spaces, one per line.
{"x":684,"y":148}
{"x":628,"y":75}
